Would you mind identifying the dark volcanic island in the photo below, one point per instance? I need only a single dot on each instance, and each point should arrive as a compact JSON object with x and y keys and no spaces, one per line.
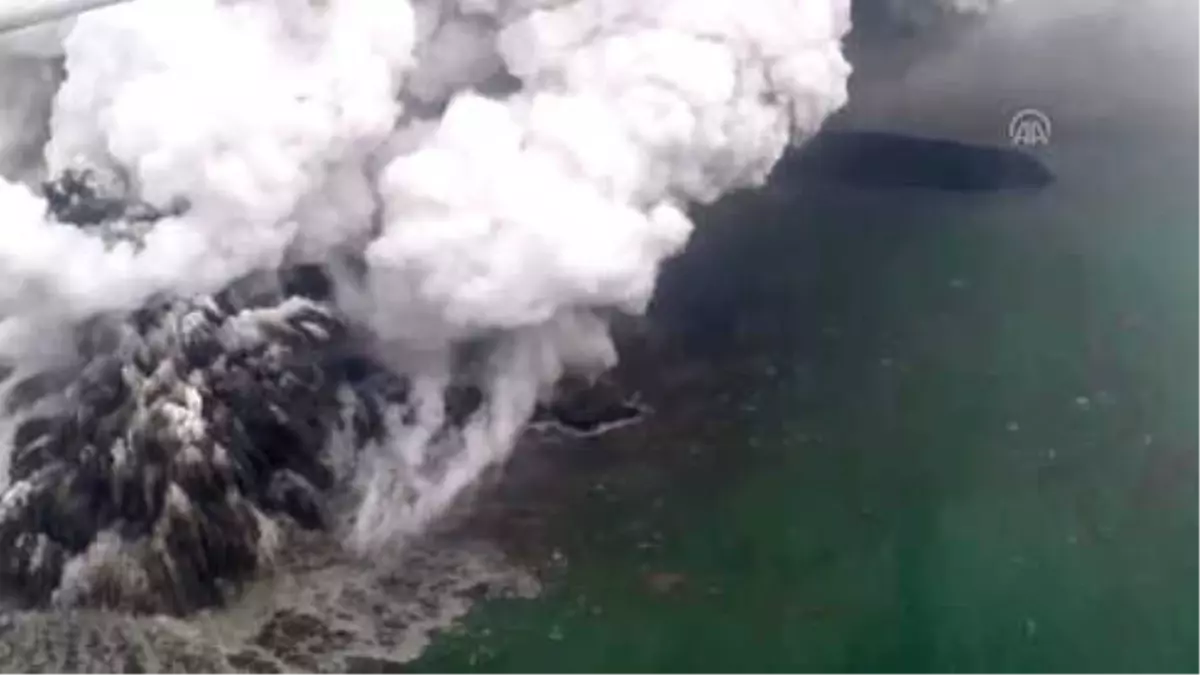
{"x":174,"y":450}
{"x":180,"y":483}
{"x":874,"y":160}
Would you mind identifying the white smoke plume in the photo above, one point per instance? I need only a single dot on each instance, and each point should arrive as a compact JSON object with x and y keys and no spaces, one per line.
{"x":508,"y":169}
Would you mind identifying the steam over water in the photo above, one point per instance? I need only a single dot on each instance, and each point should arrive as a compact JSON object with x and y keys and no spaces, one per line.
{"x":470,"y":232}
{"x":280,"y":280}
{"x":280,"y":267}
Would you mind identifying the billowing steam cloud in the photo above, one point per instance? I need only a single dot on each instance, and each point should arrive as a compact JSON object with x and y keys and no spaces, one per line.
{"x":479,"y":177}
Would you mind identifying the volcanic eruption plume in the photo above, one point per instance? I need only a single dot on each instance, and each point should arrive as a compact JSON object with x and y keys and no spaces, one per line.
{"x":315,"y":262}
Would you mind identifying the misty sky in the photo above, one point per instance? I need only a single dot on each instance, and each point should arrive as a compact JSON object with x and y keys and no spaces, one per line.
{"x":1096,"y":65}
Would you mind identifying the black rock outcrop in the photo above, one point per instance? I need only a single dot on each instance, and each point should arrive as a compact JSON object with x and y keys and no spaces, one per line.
{"x":875,"y":160}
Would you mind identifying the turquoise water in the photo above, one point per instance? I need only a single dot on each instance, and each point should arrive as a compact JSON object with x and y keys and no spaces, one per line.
{"x":921,"y":431}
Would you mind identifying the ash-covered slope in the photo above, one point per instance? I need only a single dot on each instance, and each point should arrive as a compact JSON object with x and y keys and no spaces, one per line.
{"x":182,"y":441}
{"x":178,"y":448}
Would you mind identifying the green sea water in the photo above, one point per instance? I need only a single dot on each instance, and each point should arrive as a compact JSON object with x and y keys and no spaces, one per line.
{"x":919,"y":431}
